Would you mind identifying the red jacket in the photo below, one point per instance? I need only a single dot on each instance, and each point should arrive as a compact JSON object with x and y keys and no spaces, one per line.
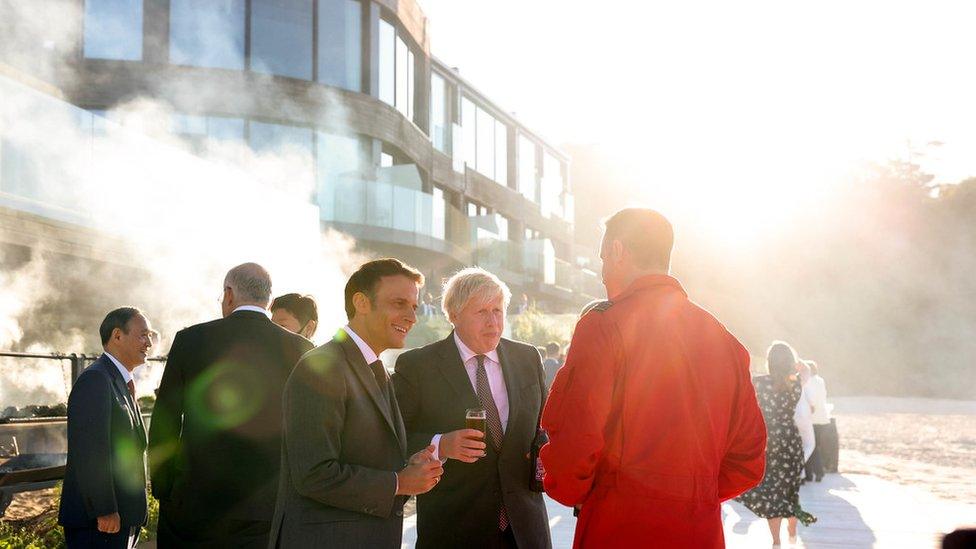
{"x":652,"y":422}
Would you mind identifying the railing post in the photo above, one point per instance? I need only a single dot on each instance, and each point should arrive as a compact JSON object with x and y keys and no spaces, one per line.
{"x":77,"y":365}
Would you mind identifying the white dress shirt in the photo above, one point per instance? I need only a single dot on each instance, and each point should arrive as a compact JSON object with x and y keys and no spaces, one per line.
{"x":254,"y":308}
{"x":370,"y":357}
{"x":496,"y":382}
{"x":364,"y":347}
{"x":126,"y":374}
{"x":818,"y":398}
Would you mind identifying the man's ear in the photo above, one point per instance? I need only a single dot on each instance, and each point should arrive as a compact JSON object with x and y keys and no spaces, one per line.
{"x":309,"y":328}
{"x":361,"y":302}
{"x":617,"y":250}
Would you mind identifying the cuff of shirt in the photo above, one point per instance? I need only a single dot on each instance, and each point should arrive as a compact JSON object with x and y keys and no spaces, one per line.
{"x":396,"y":483}
{"x":436,"y":442}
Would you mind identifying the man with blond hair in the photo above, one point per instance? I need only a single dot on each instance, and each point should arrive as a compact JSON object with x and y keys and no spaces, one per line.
{"x":484,"y":498}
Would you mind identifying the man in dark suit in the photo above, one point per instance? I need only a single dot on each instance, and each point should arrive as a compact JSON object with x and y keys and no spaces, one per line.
{"x":103,"y":500}
{"x":345,"y":473}
{"x":485,"y":498}
{"x":215,"y":435}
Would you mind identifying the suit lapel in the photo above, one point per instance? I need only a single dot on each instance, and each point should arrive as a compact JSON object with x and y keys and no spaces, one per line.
{"x":512,"y":386}
{"x":361,"y":370}
{"x":122,"y":389}
{"x":453,"y":370}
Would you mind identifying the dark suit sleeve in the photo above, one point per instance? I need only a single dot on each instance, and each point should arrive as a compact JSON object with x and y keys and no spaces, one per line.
{"x":167,"y":420}
{"x":314,"y":416}
{"x":406,"y":383}
{"x":90,"y":441}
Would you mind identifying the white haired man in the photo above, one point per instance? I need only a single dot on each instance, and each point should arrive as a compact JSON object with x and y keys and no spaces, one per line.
{"x":484,"y":498}
{"x":215,"y":434}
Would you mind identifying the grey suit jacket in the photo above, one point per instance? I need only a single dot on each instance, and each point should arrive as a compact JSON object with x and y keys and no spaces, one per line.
{"x":341,"y":448}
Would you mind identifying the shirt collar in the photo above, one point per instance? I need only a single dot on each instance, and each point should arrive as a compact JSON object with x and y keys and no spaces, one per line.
{"x":126,"y":374}
{"x":649,"y":281}
{"x":253,"y":308}
{"x":364,"y":348}
{"x":467,"y":354}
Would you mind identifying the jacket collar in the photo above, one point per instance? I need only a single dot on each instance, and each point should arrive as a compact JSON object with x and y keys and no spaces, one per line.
{"x":649,"y":282}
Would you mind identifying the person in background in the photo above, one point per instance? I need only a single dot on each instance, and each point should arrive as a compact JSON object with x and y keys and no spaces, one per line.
{"x":552,"y":362}
{"x":803,"y":416}
{"x":523,"y":305}
{"x":103,"y":499}
{"x":817,"y":390}
{"x":296,"y":313}
{"x":652,"y":420}
{"x":778,"y":496}
{"x":215,"y":434}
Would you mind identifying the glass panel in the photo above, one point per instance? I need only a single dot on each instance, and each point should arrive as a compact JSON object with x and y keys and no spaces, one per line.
{"x":526,"y":168}
{"x":113,"y":29}
{"x":438,"y":112}
{"x":486,"y":143}
{"x":293,"y":147}
{"x":405,"y":214}
{"x":207,"y":34}
{"x":402,"y":77}
{"x":225,"y":129}
{"x":340,"y":43}
{"x":387,"y":45}
{"x":502,"y":222}
{"x":341,"y":193}
{"x":501,"y":153}
{"x":439,"y":215}
{"x":281,"y":37}
{"x":379,"y":204}
{"x":468,"y":130}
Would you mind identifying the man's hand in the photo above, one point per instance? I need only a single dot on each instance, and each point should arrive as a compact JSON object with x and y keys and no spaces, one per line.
{"x":420,"y":475}
{"x":465,"y":445}
{"x":109,"y":524}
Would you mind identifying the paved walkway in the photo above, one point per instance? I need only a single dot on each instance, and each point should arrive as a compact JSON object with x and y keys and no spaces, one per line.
{"x":854,"y":511}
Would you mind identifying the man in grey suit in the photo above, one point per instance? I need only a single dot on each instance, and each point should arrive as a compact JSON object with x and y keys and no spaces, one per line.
{"x":486,"y":500}
{"x":344,"y":469}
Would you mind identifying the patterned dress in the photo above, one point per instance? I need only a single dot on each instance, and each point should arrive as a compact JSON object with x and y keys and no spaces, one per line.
{"x":779,"y":493}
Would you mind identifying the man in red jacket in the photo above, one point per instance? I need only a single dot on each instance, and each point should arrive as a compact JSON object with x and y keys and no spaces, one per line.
{"x":653,"y":420}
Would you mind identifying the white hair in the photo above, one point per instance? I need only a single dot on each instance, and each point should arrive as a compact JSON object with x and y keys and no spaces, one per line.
{"x":251,"y":283}
{"x":472,"y":283}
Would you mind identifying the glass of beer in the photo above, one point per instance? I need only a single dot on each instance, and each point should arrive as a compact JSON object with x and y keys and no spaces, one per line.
{"x":476,"y":418}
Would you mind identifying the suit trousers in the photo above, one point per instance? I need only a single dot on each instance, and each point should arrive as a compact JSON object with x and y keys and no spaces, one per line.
{"x":90,"y":538}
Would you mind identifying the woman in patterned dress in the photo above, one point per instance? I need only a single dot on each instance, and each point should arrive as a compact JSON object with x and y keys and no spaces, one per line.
{"x":778,"y":496}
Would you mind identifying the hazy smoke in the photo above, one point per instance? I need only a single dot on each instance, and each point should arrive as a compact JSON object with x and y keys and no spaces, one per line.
{"x":156,"y":227}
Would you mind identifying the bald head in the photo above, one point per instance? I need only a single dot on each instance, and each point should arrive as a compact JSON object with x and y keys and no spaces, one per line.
{"x":246,"y":284}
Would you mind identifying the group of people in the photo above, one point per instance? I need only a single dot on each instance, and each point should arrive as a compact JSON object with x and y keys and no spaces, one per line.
{"x":260,"y":439}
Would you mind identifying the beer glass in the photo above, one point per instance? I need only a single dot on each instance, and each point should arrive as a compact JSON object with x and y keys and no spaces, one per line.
{"x":476,"y":418}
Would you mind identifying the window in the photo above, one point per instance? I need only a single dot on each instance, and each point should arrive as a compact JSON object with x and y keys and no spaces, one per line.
{"x":468,"y":127}
{"x":281,"y":37}
{"x":292,"y":148}
{"x":552,"y":186}
{"x":397,"y":70}
{"x":501,"y":153}
{"x":526,"y":168}
{"x":404,"y":78}
{"x":438,"y":113}
{"x":113,"y":29}
{"x":387,"y":77}
{"x":340,"y":43}
{"x":202,"y":128}
{"x":207,"y":34}
{"x":486,"y":143}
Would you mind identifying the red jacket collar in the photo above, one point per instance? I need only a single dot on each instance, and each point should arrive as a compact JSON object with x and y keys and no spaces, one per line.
{"x":648,"y":282}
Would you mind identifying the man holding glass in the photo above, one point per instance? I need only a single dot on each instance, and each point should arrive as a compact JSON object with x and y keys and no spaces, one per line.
{"x":484,"y":498}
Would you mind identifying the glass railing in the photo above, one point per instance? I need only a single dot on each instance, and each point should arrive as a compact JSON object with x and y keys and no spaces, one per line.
{"x":565,"y":274}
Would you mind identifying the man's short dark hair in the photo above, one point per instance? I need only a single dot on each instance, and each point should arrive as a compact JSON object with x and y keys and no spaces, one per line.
{"x":552,"y":348}
{"x":302,"y":307}
{"x":368,"y":276}
{"x":119,"y":318}
{"x":646,"y":234}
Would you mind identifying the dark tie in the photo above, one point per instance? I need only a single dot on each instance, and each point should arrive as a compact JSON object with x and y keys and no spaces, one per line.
{"x":494,"y":422}
{"x":132,"y":390}
{"x":379,"y":372}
